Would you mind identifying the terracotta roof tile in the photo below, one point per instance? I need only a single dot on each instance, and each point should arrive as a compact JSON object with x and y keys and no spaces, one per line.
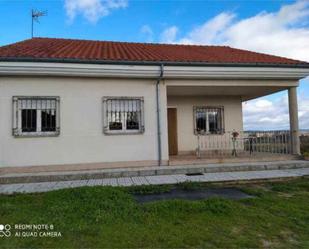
{"x":68,"y":49}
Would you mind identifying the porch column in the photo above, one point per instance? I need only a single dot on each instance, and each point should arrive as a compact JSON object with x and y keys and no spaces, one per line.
{"x":293,"y":111}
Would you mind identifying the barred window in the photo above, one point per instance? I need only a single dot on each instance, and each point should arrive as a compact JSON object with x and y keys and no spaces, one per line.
{"x":123,"y":115}
{"x":208,"y":120}
{"x":36,"y":116}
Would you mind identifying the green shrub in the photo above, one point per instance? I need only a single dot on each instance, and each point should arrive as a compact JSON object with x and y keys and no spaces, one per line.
{"x":306,"y":154}
{"x":304,"y":144}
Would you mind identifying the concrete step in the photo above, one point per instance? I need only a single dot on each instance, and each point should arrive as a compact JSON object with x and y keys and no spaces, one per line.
{"x":150,"y":171}
{"x":192,"y":160}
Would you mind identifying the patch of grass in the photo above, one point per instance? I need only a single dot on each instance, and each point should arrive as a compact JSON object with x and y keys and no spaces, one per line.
{"x":109,"y":217}
{"x":149,"y":189}
{"x":187,"y":185}
{"x":258,"y":190}
{"x":219,"y":206}
{"x":290,"y":186}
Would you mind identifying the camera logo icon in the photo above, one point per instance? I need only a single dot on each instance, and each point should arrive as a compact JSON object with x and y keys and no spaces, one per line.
{"x":5,"y":230}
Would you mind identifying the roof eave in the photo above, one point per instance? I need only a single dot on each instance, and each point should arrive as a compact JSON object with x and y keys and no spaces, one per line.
{"x":151,"y":70}
{"x":170,"y":63}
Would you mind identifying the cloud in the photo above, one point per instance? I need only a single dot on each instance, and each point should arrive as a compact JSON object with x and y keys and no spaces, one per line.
{"x":284,"y":32}
{"x":210,"y":32}
{"x":169,"y":34}
{"x":274,"y":114}
{"x":146,"y":30}
{"x":259,"y":112}
{"x":92,"y":10}
{"x":303,"y":113}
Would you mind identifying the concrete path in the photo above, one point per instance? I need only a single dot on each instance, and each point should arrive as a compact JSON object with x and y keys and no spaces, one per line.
{"x":154,"y":180}
{"x":56,"y":176}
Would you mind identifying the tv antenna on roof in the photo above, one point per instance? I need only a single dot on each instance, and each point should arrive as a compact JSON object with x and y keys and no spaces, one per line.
{"x":35,"y":14}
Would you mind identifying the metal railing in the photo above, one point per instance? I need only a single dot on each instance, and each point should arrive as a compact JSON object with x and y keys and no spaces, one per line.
{"x":247,"y":142}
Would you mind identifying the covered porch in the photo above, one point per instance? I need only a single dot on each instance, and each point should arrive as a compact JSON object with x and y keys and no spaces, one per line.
{"x":205,"y":122}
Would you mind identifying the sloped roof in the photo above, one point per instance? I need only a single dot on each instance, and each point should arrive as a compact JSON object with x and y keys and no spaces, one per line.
{"x":68,"y":50}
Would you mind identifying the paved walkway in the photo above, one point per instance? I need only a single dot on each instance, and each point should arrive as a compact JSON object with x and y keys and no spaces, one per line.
{"x":153,"y":180}
{"x":56,"y":176}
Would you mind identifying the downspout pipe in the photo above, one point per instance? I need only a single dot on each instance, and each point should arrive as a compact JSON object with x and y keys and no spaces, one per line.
{"x":158,"y":114}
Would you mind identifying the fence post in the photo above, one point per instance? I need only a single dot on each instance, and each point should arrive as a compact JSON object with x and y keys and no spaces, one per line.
{"x":198,"y":152}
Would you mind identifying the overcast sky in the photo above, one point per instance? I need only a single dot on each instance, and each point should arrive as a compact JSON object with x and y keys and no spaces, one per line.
{"x":272,"y":26}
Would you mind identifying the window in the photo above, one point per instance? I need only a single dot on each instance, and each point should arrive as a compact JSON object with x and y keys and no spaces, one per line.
{"x":208,"y":120}
{"x":123,"y":115}
{"x":36,"y":116}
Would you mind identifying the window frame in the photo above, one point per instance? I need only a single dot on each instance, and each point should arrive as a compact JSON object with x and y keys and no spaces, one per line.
{"x":222,"y":130}
{"x":17,"y":119}
{"x":123,"y":131}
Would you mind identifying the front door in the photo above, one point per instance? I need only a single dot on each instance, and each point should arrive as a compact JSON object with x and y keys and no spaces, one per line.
{"x":172,"y":131}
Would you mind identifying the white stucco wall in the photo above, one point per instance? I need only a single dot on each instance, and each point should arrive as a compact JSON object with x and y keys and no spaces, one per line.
{"x":81,"y":139}
{"x":187,"y":141}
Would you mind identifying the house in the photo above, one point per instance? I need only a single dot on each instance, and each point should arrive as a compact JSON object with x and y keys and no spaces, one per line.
{"x":80,"y":104}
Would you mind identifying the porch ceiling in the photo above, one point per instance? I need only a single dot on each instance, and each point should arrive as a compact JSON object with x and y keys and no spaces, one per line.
{"x":246,"y":92}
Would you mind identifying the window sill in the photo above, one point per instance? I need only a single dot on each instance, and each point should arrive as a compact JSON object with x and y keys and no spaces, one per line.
{"x":123,"y":132}
{"x":36,"y":134}
{"x":209,"y":134}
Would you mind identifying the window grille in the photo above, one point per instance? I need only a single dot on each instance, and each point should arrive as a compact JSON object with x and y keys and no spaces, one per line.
{"x":123,"y":115}
{"x":36,"y":116}
{"x":208,"y":120}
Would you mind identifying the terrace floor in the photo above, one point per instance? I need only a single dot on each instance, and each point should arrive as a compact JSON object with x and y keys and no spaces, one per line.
{"x":228,"y":158}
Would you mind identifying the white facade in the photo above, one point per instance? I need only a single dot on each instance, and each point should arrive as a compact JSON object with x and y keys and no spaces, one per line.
{"x":187,"y":140}
{"x":81,"y":89}
{"x":81,"y":138}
